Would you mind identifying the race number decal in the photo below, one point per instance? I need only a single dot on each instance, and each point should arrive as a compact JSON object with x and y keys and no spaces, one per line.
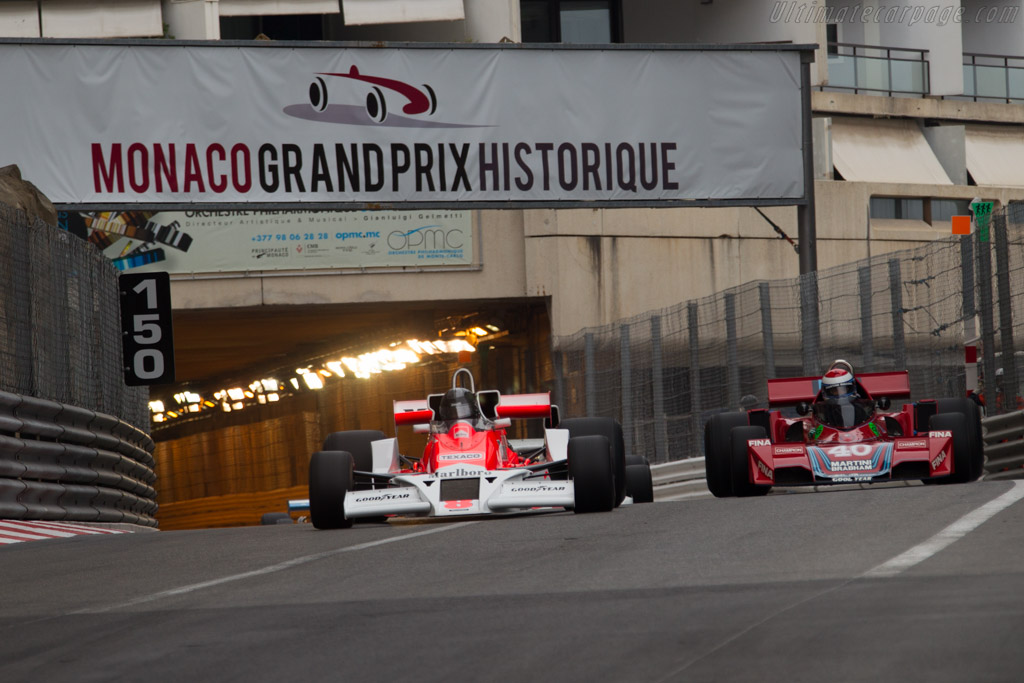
{"x":146,"y":334}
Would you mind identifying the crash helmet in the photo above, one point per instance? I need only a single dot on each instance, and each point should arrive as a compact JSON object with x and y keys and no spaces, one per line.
{"x":458,"y":404}
{"x":838,"y":382}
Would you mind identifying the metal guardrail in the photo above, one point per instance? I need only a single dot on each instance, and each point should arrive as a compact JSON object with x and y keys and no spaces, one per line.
{"x":679,"y":479}
{"x":62,"y":462}
{"x":1004,"y":446}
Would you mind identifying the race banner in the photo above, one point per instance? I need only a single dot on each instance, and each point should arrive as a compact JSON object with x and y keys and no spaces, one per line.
{"x":169,"y":125}
{"x":241,"y":241}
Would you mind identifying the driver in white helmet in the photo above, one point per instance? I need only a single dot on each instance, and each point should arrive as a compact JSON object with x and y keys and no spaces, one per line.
{"x":841,"y":405}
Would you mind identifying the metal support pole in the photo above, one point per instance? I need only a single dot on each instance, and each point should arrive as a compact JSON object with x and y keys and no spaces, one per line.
{"x":806,"y":236}
{"x":657,"y":392}
{"x":732,"y":363}
{"x":967,"y":287}
{"x":589,"y":374}
{"x":867,"y":333}
{"x":764,"y":292}
{"x":899,"y":350}
{"x":696,"y":404}
{"x":626,"y":395}
{"x":1008,"y":360}
{"x":810,"y":342}
{"x":988,"y":336}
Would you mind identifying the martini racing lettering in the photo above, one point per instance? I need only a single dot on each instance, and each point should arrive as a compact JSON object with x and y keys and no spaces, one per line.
{"x":760,"y":442}
{"x":941,"y":435}
{"x":850,"y":465}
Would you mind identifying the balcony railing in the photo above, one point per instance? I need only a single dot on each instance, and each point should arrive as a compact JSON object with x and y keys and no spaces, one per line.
{"x":872,"y":69}
{"x":994,"y":78}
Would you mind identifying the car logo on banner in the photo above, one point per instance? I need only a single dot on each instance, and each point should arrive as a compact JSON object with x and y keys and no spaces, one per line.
{"x":384,"y":98}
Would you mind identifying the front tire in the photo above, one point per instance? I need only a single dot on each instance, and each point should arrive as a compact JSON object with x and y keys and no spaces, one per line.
{"x":330,"y":478}
{"x":718,"y":451}
{"x":741,"y":481}
{"x":972,"y":416}
{"x":639,"y":483}
{"x":962,"y":453}
{"x":358,"y":442}
{"x":611,"y":430}
{"x":590,"y":468}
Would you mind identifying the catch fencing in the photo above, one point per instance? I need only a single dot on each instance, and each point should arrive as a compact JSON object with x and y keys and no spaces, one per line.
{"x":662,"y":374}
{"x":69,"y":444}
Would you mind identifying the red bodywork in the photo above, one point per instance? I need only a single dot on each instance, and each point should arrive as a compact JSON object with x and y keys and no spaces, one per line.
{"x":802,"y":450}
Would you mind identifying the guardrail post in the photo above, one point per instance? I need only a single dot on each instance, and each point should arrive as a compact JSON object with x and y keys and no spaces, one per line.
{"x":867,"y":333}
{"x":899,"y":351}
{"x":589,"y":390}
{"x":1008,"y":360}
{"x":696,"y":404}
{"x":657,"y":392}
{"x":767,"y":334}
{"x":732,"y":363}
{"x":627,"y":387}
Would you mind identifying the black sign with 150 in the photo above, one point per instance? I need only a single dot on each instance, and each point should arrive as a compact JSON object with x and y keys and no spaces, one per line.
{"x":147,"y":339}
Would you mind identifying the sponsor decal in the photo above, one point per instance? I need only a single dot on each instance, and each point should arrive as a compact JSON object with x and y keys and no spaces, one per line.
{"x":941,"y":435}
{"x":759,"y":442}
{"x":938,"y":460}
{"x":765,"y":470}
{"x":909,"y":444}
{"x":850,"y":465}
{"x":537,"y":488}
{"x":851,"y":479}
{"x":458,"y":471}
{"x":789,"y":450}
{"x":381,"y":496}
{"x":458,"y":504}
{"x":459,"y":456}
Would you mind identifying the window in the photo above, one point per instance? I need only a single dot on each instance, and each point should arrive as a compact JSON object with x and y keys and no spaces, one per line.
{"x":571,"y":21}
{"x":945,"y":209}
{"x":897,"y":207}
{"x":831,"y":38}
{"x":275,"y":27}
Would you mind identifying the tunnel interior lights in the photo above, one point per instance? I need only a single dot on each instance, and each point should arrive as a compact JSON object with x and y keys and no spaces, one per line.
{"x":396,"y":356}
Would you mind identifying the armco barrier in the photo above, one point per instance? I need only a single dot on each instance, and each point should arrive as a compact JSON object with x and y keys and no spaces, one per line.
{"x":62,"y":462}
{"x":1004,"y":446}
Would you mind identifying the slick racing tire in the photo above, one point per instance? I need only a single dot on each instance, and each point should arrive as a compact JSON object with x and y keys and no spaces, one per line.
{"x":972,"y":414}
{"x":330,"y":478}
{"x":590,"y":468}
{"x":611,"y":430}
{"x":962,"y":452}
{"x":357,"y":442}
{"x":718,"y":451}
{"x":639,"y":483}
{"x":740,"y":465}
{"x":270,"y":518}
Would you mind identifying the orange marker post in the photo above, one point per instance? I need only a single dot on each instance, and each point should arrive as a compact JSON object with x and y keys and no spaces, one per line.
{"x":961,"y":225}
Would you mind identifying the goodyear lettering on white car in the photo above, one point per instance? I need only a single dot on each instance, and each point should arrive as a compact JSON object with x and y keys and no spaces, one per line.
{"x":539,"y":487}
{"x":388,"y":496}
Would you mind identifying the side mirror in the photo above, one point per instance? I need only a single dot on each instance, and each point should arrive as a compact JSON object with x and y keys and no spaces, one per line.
{"x":503,"y":423}
{"x":421,"y":428}
{"x":803,"y":408}
{"x":883,"y":403}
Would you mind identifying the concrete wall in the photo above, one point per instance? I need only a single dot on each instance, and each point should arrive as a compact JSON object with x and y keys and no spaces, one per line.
{"x":1002,"y":35}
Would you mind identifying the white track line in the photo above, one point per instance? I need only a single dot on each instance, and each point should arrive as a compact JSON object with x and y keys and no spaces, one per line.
{"x":952,"y":533}
{"x":288,"y":564}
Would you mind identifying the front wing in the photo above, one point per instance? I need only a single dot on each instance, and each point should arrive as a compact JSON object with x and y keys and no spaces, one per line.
{"x":925,"y":456}
{"x":458,"y":490}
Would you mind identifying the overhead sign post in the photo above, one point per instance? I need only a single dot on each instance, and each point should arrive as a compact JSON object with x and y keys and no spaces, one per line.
{"x":173,"y":125}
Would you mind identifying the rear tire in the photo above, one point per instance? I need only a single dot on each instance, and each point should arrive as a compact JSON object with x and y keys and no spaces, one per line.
{"x":330,"y":478}
{"x":590,"y":468}
{"x":639,"y":483}
{"x":972,"y":414}
{"x":741,"y":480}
{"x":718,"y":451}
{"x":611,"y":430}
{"x":962,"y":454}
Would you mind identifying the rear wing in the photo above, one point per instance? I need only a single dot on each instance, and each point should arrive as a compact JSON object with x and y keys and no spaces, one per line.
{"x":492,"y":404}
{"x":790,"y":391}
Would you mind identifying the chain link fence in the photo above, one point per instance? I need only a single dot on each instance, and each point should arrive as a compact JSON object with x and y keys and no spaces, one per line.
{"x":60,"y":321}
{"x":662,"y":374}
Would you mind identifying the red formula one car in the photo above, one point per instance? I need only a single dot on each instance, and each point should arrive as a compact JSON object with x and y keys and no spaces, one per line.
{"x":470,"y":466}
{"x":843,"y":435}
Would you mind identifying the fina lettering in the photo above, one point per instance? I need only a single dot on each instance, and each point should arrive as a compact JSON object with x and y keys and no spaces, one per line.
{"x":765,"y":470}
{"x":938,"y":460}
{"x":941,"y":435}
{"x":760,"y":442}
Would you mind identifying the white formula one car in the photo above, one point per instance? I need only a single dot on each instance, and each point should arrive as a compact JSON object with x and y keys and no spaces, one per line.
{"x":469,"y":466}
